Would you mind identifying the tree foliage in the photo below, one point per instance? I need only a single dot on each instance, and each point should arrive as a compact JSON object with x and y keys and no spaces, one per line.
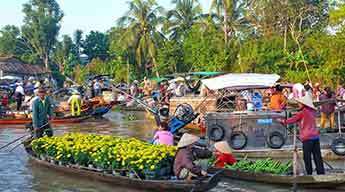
{"x":96,"y":45}
{"x":300,"y":40}
{"x":41,"y":26}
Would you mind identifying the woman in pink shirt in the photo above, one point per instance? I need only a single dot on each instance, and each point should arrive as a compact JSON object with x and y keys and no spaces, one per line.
{"x":309,"y":134}
{"x":163,"y":136}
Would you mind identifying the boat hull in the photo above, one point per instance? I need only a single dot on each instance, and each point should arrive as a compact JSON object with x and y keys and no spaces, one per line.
{"x":55,"y":121}
{"x":335,"y":180}
{"x":151,"y":185}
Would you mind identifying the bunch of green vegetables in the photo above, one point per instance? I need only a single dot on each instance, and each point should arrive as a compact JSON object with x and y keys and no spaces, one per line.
{"x":262,"y":166}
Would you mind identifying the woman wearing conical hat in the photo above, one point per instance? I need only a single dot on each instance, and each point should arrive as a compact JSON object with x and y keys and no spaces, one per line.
{"x":223,"y":154}
{"x":308,"y":133}
{"x":184,"y":166}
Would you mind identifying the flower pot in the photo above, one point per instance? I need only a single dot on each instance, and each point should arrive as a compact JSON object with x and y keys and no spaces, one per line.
{"x":123,"y":173}
{"x":99,"y":169}
{"x":150,"y":174}
{"x":43,"y":158}
{"x":116,"y":173}
{"x":132,"y":175}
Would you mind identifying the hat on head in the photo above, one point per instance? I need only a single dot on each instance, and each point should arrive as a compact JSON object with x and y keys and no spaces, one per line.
{"x":179,"y":79}
{"x":222,"y":147}
{"x":187,"y":139}
{"x":135,"y":82}
{"x":307,"y":101}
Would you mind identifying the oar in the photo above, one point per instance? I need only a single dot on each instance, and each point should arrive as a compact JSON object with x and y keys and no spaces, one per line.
{"x":8,"y":144}
{"x":138,"y":101}
{"x":154,"y":112}
{"x":16,"y":146}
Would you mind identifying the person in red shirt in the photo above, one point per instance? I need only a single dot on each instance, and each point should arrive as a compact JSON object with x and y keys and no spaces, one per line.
{"x":223,"y":155}
{"x":308,"y":134}
{"x":4,"y":101}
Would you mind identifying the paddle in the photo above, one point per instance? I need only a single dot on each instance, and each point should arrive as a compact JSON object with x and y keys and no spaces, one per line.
{"x":16,"y":146}
{"x":17,"y":139}
{"x":8,"y":144}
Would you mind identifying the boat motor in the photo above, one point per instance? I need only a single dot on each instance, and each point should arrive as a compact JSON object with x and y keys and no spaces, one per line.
{"x":184,"y":114}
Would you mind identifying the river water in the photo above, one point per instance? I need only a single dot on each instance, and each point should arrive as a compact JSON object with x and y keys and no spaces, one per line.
{"x":18,"y":174}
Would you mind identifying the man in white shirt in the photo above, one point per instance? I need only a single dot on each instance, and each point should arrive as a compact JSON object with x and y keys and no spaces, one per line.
{"x":19,"y":95}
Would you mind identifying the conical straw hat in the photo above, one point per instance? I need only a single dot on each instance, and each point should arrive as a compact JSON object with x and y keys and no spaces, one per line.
{"x":307,"y":101}
{"x":187,"y":139}
{"x":179,"y":79}
{"x":222,"y":147}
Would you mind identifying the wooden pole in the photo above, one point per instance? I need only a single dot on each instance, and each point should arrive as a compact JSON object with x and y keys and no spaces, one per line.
{"x":295,"y":154}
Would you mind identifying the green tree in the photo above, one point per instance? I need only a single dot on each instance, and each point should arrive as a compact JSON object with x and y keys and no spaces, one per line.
{"x":204,"y":50}
{"x":232,"y":14}
{"x":9,"y":37}
{"x":170,"y":58}
{"x":62,"y":53}
{"x":141,"y":35}
{"x":96,"y":45}
{"x":182,"y":17}
{"x":263,"y":55}
{"x":41,"y":26}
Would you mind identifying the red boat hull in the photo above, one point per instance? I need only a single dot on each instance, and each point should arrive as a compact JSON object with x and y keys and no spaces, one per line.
{"x":56,"y":121}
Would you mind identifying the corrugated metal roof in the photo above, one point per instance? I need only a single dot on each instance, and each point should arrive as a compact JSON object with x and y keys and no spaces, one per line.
{"x":15,"y":66}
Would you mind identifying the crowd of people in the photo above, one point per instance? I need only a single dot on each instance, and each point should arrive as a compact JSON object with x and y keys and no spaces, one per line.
{"x":157,"y":95}
{"x":22,"y":92}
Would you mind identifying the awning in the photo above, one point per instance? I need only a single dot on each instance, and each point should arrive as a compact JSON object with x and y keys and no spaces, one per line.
{"x":10,"y":77}
{"x":243,"y":80}
{"x":206,"y":73}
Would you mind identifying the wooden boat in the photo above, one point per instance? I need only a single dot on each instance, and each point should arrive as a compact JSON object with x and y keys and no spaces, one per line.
{"x":102,"y":110}
{"x":284,"y":153}
{"x":150,"y":185}
{"x":63,"y":120}
{"x":331,"y":180}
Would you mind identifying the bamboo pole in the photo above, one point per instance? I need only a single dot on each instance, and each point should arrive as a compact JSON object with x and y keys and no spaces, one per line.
{"x":295,"y":156}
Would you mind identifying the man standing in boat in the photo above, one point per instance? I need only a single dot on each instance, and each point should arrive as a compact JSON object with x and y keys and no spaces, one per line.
{"x":41,"y":110}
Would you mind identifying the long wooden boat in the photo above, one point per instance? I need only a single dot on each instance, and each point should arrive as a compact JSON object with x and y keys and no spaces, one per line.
{"x":150,"y":185}
{"x":284,"y":153}
{"x":56,"y":121}
{"x":330,"y":180}
{"x":102,"y":110}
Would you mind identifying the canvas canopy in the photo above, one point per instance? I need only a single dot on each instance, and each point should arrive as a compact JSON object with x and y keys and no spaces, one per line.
{"x":241,"y":80}
{"x":10,"y":77}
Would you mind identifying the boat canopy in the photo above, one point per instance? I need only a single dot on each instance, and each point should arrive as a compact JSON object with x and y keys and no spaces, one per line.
{"x":205,"y":73}
{"x":241,"y":80}
{"x":159,"y":79}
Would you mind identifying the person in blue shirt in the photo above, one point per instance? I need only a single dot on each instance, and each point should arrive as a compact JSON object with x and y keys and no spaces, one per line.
{"x":257,"y":101}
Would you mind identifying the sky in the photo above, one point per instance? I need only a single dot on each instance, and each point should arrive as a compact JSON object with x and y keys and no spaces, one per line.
{"x":86,"y":15}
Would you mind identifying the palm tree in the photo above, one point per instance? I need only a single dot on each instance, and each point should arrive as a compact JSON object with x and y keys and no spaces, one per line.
{"x":181,"y":19}
{"x":232,"y":13}
{"x":141,"y":33}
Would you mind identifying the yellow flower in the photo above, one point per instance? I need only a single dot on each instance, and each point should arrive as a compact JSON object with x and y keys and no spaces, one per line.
{"x":152,"y":167}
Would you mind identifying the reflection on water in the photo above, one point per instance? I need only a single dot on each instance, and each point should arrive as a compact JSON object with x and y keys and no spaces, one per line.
{"x":18,"y":173}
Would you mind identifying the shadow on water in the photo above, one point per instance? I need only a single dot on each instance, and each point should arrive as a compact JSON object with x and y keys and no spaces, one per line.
{"x":19,"y":174}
